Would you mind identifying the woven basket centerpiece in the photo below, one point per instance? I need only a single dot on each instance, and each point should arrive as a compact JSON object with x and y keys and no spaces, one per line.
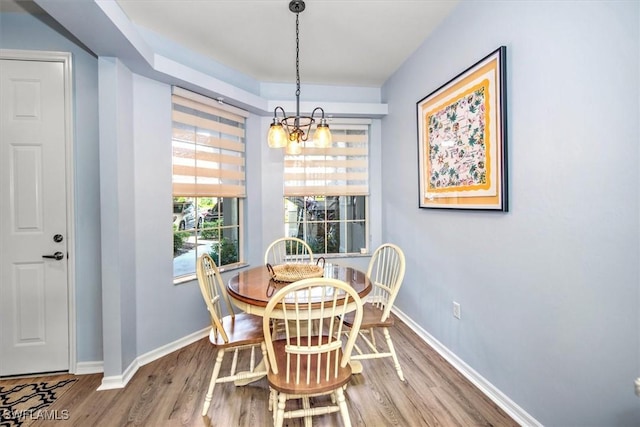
{"x":294,"y":272}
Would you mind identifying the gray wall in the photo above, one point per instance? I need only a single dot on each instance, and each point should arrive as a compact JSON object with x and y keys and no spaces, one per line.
{"x":165,"y":312}
{"x":549,"y":291}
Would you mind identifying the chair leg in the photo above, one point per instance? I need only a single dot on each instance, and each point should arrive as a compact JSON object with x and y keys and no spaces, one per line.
{"x":392,"y":350}
{"x":344,"y":410}
{"x":279,"y":413}
{"x":212,"y":383}
{"x":273,"y":399}
{"x":306,"y":405}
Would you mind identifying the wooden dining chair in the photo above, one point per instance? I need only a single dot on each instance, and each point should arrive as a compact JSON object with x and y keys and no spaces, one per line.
{"x":231,"y":333}
{"x":308,"y":361}
{"x":386,"y":272}
{"x":288,"y":250}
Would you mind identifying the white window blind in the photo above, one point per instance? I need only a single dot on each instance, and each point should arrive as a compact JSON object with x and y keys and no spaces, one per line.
{"x":341,"y":169}
{"x":208,"y":147}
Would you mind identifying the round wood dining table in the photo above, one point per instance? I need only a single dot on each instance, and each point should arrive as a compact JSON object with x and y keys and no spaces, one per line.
{"x":250,"y":290}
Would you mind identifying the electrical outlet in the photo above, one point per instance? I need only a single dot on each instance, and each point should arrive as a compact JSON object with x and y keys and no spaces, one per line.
{"x":456,"y":310}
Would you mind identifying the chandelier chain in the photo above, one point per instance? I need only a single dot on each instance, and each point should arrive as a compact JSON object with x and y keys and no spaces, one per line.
{"x":297,"y":56}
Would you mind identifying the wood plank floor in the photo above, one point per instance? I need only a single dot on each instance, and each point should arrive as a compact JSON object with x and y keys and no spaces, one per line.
{"x":170,"y":392}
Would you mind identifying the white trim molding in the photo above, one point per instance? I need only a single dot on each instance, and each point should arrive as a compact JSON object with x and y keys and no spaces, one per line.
{"x":87,"y":368}
{"x":518,"y":414}
{"x":120,"y":381}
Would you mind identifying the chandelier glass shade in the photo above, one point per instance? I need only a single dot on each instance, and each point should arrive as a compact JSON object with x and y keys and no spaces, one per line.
{"x":291,"y":132}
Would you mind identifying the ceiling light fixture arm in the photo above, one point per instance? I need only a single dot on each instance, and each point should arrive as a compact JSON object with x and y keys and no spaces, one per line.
{"x":275,"y":113}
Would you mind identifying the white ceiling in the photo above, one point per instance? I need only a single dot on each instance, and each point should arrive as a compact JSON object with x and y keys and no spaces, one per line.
{"x":342,"y":42}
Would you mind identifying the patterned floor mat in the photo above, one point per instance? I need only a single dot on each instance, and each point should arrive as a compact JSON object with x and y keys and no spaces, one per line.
{"x":22,"y":404}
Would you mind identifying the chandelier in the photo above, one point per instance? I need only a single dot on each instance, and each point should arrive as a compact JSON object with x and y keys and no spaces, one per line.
{"x":292,"y":131}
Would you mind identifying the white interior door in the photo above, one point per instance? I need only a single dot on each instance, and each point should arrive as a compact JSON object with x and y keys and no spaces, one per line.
{"x":34,"y":315}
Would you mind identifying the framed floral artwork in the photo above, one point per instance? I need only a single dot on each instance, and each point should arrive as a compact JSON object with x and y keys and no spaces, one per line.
{"x":462,"y":139}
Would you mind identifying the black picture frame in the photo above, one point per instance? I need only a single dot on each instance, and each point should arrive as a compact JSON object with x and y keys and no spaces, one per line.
{"x":462,"y":139}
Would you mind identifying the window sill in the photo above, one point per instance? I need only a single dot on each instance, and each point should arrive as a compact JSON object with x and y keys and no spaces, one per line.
{"x":350,"y":255}
{"x":191,"y":277}
{"x":233,"y":267}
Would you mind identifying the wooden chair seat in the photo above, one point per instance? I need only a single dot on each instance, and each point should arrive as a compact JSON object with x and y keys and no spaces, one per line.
{"x":316,"y":370}
{"x":371,"y":317}
{"x":242,"y":330}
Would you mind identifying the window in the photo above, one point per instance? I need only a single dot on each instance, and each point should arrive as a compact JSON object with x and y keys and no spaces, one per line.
{"x":326,"y":192}
{"x":208,"y":145}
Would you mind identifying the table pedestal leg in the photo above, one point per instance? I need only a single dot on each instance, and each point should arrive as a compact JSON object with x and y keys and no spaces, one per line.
{"x":356,"y":366}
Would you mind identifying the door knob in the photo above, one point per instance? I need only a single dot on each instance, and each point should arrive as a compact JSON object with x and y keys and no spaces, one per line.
{"x":57,"y":256}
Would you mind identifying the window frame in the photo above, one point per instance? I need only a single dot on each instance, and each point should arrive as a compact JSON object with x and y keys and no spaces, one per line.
{"x":325,"y":223}
{"x":207,"y":144}
{"x":341,"y":124}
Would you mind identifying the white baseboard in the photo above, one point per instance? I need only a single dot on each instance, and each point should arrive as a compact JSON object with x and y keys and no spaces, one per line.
{"x":510,"y":407}
{"x":120,"y":381}
{"x":86,"y":368}
{"x":173,"y":346}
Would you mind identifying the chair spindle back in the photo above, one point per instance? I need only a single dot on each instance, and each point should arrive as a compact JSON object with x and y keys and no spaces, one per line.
{"x":213,"y":293}
{"x":288,"y":250}
{"x":312,"y":310}
{"x":386,"y":272}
